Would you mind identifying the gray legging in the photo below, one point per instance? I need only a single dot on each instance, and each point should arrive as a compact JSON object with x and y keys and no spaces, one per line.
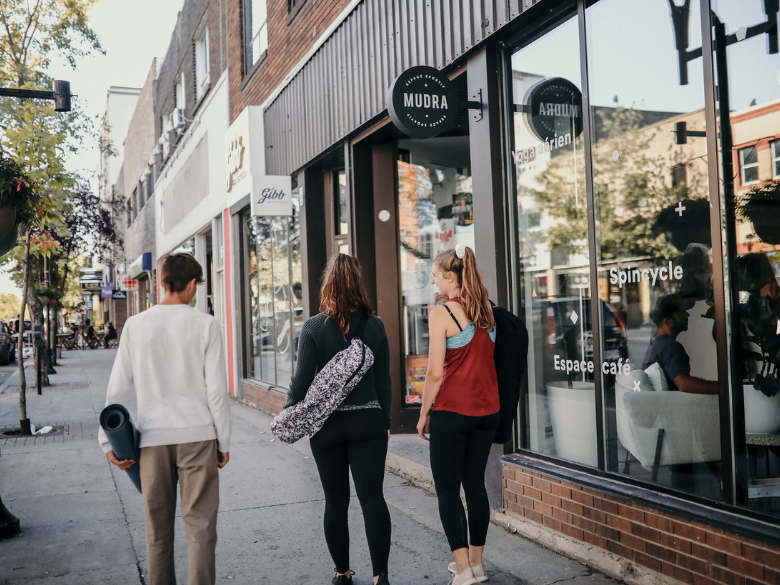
{"x":460,"y":446}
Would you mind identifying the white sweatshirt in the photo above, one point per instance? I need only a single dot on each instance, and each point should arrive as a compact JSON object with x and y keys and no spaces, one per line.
{"x":171,"y":356}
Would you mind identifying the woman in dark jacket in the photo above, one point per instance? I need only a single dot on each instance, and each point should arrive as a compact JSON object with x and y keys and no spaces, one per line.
{"x":355,"y":436}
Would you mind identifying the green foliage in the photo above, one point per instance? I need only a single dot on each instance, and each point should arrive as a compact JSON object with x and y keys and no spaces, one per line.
{"x":32,"y":33}
{"x":50,"y":293}
{"x":16,"y":189}
{"x":9,"y":306}
{"x":761,"y":315}
{"x":631,"y":192}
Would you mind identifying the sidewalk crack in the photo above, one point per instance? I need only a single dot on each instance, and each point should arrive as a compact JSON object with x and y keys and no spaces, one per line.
{"x":127,"y":526}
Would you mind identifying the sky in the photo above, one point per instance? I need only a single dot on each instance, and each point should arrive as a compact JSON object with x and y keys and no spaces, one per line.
{"x":615,"y":48}
{"x":132,"y":34}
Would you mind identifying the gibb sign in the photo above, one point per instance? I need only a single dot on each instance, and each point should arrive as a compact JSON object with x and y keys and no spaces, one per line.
{"x":422,"y":102}
{"x":271,"y":195}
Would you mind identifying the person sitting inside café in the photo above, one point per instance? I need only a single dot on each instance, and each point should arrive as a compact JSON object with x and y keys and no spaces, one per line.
{"x":110,"y":335}
{"x":671,"y":317}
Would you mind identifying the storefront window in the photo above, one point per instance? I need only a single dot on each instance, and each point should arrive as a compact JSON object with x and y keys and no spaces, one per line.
{"x":435,"y":213}
{"x":274,"y":294}
{"x":655,"y":253}
{"x":747,"y":85}
{"x":554,"y":284}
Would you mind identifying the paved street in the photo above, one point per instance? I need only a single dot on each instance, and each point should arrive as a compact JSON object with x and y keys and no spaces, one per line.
{"x":83,"y":521}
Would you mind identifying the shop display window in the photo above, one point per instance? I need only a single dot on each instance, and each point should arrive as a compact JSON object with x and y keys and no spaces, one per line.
{"x":274,"y":295}
{"x":552,"y":229}
{"x":747,"y":80}
{"x":651,"y":193}
{"x":435,"y":213}
{"x":618,"y":240}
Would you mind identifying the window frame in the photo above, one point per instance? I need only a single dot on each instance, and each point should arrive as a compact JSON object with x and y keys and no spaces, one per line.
{"x":776,"y":159}
{"x":250,"y":36}
{"x":202,"y":65}
{"x":743,"y":167}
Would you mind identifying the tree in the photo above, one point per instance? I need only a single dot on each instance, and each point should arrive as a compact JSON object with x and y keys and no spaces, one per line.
{"x":31,"y":34}
{"x":9,"y":306}
{"x":632,"y":193}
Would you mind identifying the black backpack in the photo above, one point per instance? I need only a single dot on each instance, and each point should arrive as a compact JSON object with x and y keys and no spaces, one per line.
{"x":510,"y":356}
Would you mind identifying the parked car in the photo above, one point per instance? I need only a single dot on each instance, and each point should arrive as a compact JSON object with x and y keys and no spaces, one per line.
{"x":7,"y":347}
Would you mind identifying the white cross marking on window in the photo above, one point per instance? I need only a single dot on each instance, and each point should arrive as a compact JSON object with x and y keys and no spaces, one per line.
{"x":636,"y":386}
{"x":680,"y":208}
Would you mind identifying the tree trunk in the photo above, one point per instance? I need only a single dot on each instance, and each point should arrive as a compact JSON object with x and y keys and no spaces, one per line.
{"x":36,"y":309}
{"x":20,"y":348}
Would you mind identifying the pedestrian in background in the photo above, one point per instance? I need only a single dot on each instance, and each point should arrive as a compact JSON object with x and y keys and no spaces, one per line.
{"x":355,"y":436}
{"x":172,"y":358}
{"x":461,"y":387}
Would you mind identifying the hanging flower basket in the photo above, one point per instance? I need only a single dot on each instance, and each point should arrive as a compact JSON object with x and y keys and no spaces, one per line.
{"x":761,"y":207}
{"x":15,"y":194}
{"x":47,"y":295}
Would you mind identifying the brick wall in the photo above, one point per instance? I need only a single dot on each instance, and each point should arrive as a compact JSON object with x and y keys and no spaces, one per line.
{"x":681,"y":550}
{"x":287,"y":44}
{"x":181,"y":58}
{"x":269,"y":401}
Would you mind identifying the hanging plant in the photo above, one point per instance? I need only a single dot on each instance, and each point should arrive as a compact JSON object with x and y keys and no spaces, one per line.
{"x":16,"y":194}
{"x":761,"y":207}
{"x":47,"y":295}
{"x":760,"y":316}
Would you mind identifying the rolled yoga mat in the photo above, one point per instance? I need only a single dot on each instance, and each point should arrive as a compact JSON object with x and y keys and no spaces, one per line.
{"x":124,"y":438}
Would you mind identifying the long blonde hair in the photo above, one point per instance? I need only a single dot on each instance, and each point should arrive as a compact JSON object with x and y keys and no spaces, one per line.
{"x":473,"y":292}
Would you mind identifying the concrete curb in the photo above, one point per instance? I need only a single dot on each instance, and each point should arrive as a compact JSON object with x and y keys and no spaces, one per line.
{"x":419,"y":475}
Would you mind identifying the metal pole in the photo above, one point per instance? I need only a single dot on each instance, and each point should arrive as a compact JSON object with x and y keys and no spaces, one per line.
{"x":38,"y":358}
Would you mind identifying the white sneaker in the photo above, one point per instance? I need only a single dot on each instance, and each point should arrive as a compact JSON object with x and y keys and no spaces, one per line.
{"x":465,"y":578}
{"x":479,"y":571}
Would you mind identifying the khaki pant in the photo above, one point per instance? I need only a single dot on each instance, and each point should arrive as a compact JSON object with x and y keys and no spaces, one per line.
{"x":194,"y":467}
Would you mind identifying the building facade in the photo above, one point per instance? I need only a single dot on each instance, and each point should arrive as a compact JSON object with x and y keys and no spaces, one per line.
{"x":139,"y":168}
{"x":608,"y":163}
{"x":121,"y":105}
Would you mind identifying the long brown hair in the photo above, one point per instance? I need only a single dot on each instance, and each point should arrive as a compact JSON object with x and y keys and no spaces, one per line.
{"x":473,"y":292}
{"x":342,"y":291}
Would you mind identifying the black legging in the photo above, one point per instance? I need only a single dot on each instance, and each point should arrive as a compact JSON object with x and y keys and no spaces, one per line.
{"x":460,"y":446}
{"x":355,"y":439}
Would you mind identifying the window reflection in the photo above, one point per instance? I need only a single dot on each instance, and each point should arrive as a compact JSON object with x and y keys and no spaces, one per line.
{"x":552,"y":230}
{"x":653,"y":238}
{"x":274,"y":292}
{"x":435,"y":213}
{"x":749,"y":128}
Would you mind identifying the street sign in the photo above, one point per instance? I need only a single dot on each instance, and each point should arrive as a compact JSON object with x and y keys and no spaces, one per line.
{"x":106,"y":292}
{"x":128,"y":284}
{"x":88,"y":305}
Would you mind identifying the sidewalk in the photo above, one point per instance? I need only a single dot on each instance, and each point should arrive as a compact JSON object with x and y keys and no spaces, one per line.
{"x":83,"y":521}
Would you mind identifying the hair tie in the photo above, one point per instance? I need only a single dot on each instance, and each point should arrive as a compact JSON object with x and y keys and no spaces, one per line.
{"x":460,"y":250}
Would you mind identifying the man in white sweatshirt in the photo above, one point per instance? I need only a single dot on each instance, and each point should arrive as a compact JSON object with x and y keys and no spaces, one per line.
{"x":171,"y":357}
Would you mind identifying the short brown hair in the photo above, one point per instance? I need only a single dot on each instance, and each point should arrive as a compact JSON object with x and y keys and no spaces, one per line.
{"x":178,"y":270}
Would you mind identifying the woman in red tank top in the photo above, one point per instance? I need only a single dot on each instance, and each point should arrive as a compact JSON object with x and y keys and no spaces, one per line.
{"x":460,"y":407}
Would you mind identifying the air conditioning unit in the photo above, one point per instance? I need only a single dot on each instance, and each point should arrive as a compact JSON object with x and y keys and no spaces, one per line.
{"x":156,"y":156}
{"x":178,"y":120}
{"x":167,"y":150}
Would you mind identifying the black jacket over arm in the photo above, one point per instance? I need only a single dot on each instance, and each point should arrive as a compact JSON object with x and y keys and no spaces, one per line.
{"x":321,"y":339}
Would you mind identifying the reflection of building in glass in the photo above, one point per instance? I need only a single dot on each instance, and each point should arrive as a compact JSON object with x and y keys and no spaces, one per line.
{"x":756,"y":158}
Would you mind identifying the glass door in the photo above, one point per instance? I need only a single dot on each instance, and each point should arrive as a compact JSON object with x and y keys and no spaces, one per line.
{"x":435,"y":213}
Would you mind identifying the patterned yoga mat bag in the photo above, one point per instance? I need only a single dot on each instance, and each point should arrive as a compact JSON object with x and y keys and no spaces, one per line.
{"x":328,"y":390}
